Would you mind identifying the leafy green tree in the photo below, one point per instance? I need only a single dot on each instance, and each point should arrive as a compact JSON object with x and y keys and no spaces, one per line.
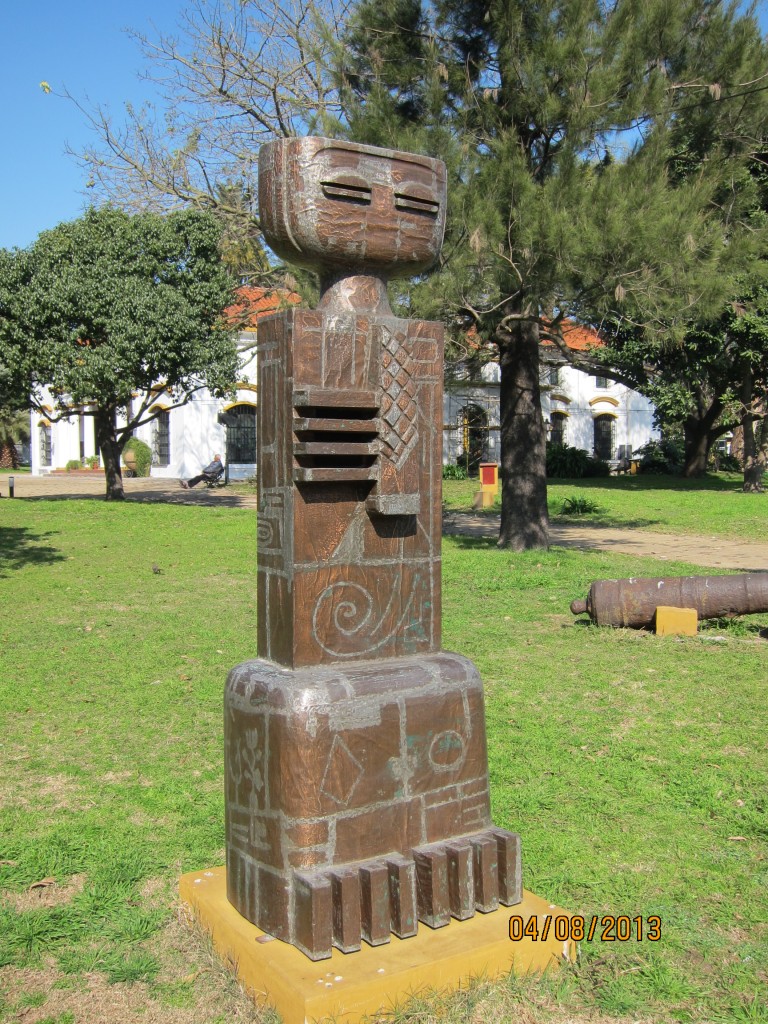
{"x":715,"y":377}
{"x":107,"y":313}
{"x":699,"y":385}
{"x":602,"y":173}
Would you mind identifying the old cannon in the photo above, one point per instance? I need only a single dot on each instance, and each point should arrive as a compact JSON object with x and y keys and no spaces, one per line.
{"x":633,"y":602}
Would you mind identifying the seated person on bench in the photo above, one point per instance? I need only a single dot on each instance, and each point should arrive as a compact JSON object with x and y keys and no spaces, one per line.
{"x":211,"y":473}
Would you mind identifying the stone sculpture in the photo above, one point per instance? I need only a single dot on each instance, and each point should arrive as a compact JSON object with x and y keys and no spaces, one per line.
{"x":357,"y":800}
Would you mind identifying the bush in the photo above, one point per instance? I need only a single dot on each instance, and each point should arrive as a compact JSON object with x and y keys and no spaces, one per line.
{"x":665,"y":456}
{"x":597,"y":467}
{"x":454,"y":472}
{"x":724,"y":463}
{"x":563,"y":460}
{"x":73,"y":464}
{"x":566,"y":462}
{"x":143,"y":454}
{"x":578,"y":506}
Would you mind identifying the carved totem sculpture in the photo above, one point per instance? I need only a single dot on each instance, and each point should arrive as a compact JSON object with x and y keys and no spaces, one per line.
{"x":357,"y":799}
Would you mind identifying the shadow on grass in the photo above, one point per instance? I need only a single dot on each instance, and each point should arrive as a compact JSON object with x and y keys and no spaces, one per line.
{"x":597,"y":521}
{"x":20,"y":547}
{"x":467,"y":543}
{"x":159,"y":497}
{"x":456,"y":524}
{"x":652,"y":482}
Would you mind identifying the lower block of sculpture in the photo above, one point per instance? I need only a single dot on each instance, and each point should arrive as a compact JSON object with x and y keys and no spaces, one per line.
{"x":357,"y":801}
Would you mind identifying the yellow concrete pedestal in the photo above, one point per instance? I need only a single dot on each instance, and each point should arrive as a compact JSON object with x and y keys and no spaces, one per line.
{"x":676,"y":621}
{"x":349,"y":986}
{"x":484,"y":498}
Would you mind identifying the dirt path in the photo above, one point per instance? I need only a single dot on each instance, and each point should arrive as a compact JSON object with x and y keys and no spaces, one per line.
{"x":76,"y":485}
{"x":718,"y":552}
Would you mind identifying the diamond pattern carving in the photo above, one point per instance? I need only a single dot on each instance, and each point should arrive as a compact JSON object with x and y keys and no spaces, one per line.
{"x":342,"y":773}
{"x":398,"y":406}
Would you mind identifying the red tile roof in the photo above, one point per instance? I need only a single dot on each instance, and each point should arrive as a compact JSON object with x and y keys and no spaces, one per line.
{"x":577,"y":337}
{"x":257,"y":303}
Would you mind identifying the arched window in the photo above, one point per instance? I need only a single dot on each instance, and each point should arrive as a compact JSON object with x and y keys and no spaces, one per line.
{"x":46,"y":447}
{"x":557,"y":434}
{"x":604,"y":437}
{"x":473,"y":429}
{"x":161,"y":439}
{"x":241,"y":434}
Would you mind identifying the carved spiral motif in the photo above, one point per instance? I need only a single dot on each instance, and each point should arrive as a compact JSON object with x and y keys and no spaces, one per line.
{"x":265,"y":530}
{"x":351,"y":618}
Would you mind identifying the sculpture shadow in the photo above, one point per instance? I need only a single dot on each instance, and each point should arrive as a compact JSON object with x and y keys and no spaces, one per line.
{"x":20,"y":547}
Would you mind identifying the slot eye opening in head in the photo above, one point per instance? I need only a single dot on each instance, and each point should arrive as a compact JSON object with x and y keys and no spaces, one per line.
{"x":416,"y":204}
{"x":348,"y":189}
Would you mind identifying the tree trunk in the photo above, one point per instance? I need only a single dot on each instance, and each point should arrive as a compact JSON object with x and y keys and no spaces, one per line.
{"x":8,"y":457}
{"x":696,"y":449}
{"x":699,"y":433}
{"x":737,"y":444}
{"x":110,"y":450}
{"x":754,"y":447}
{"x":524,"y":518}
{"x":755,"y":454}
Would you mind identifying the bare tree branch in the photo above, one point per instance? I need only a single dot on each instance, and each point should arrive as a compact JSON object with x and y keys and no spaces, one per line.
{"x":236,"y":75}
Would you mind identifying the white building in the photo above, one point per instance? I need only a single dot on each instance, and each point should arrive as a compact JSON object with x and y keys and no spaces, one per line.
{"x":606,"y":419}
{"x":184,"y":439}
{"x":594,"y":413}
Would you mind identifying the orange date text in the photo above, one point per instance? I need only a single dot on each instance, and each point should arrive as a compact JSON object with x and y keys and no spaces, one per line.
{"x":575,"y":928}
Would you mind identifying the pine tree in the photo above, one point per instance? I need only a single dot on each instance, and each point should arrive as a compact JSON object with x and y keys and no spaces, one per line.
{"x":598,"y":158}
{"x":589,"y":173}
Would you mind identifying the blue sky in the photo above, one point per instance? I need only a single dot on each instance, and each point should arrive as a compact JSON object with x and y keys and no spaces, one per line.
{"x":79,"y":44}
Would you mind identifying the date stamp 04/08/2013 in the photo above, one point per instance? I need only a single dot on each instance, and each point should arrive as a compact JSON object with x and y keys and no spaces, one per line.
{"x":574,"y":927}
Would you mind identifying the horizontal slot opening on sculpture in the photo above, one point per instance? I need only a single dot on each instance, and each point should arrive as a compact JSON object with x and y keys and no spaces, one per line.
{"x":329,"y":423}
{"x":334,"y":474}
{"x":347,"y":190}
{"x":328,"y":414}
{"x":325,"y":448}
{"x":336,"y":402}
{"x":342,"y":437}
{"x":415,"y":204}
{"x":335,"y":459}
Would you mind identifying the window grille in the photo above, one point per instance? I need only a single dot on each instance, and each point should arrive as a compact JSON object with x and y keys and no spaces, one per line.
{"x":46,"y":445}
{"x":557,"y":434}
{"x":241,"y":434}
{"x":604,"y":437}
{"x":161,"y":439}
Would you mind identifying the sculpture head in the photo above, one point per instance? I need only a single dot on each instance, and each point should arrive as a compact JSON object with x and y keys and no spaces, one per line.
{"x":338,"y":206}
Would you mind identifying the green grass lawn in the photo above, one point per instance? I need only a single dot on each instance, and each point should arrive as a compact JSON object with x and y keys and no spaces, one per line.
{"x":714,"y":505}
{"x":634,"y":767}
